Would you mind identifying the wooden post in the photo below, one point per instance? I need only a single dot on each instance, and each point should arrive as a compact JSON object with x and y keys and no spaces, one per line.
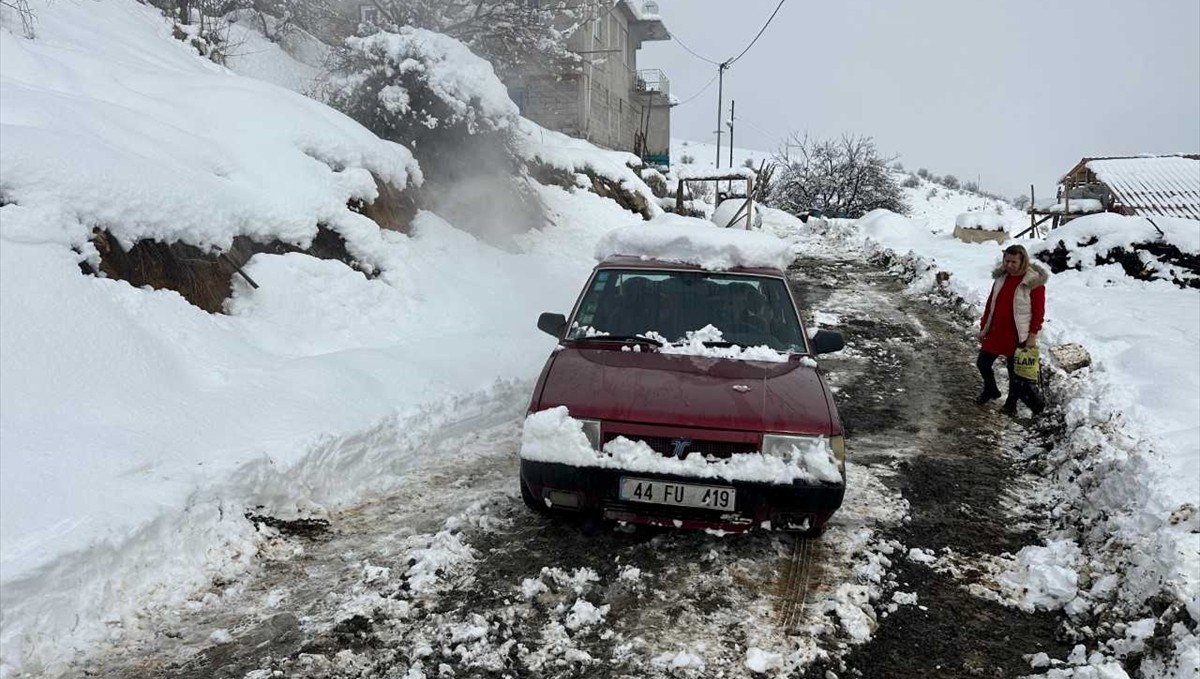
{"x":1032,"y":207}
{"x":1067,"y":196}
{"x":749,"y":194}
{"x":679,"y":198}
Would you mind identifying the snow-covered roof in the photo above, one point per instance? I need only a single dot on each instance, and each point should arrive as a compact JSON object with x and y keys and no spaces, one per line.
{"x":1153,"y":185}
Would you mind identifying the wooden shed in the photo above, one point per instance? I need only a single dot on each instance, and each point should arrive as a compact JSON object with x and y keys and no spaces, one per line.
{"x":1148,"y":186}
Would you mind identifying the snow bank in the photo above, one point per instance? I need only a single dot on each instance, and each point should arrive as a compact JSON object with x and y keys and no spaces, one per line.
{"x":554,"y":436}
{"x":132,"y":132}
{"x":1110,"y":230}
{"x":689,"y":240}
{"x":1126,"y":472}
{"x":535,"y":143}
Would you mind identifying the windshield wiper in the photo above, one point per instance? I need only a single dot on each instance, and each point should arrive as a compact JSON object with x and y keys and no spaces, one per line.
{"x":721,"y":345}
{"x":640,"y":339}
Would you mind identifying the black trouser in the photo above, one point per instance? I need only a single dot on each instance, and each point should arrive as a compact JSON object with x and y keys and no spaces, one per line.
{"x":1025,"y":390}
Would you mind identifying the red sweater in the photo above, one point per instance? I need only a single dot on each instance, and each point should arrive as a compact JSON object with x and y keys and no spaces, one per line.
{"x":1002,"y":337}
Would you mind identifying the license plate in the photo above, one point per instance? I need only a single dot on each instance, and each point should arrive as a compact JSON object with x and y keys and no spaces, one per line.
{"x":661,"y":492}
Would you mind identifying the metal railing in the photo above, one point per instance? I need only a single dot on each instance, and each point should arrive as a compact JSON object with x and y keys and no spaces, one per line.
{"x":652,"y":80}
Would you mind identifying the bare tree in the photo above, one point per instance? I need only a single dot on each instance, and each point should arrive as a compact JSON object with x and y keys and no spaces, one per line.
{"x":21,"y":7}
{"x":845,"y":176}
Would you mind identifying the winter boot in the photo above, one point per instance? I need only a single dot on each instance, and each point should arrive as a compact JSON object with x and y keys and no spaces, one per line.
{"x":990,"y":391}
{"x":1010,"y":406}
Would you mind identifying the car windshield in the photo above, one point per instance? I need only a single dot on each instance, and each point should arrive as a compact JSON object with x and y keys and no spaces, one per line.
{"x":749,"y":311}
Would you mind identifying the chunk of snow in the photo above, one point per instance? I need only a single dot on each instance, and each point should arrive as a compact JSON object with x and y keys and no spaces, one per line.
{"x":584,"y":613}
{"x":689,"y":240}
{"x":760,"y":661}
{"x":1044,"y":577}
{"x":693,"y":344}
{"x":678,"y":661}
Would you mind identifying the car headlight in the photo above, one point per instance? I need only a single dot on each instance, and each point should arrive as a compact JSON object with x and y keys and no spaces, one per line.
{"x":591,"y":429}
{"x":782,"y":445}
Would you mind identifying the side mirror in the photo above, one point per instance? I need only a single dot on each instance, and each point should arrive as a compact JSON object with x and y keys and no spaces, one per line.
{"x":552,"y":324}
{"x":827,"y":342}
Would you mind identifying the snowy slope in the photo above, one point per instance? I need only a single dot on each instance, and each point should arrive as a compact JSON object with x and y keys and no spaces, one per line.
{"x":136,"y":428}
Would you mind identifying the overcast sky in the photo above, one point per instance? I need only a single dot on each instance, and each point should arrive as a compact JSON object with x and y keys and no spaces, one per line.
{"x":1011,"y":92}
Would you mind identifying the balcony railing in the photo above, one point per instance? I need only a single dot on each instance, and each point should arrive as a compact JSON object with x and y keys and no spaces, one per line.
{"x":652,"y":80}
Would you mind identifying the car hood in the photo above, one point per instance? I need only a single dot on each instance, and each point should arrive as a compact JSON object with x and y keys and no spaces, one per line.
{"x":691,"y":391}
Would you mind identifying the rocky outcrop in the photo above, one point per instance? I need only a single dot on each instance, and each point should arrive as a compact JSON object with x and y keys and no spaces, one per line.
{"x":205,"y":277}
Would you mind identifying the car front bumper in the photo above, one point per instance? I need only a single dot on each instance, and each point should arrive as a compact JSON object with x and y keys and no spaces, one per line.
{"x":591,"y":490}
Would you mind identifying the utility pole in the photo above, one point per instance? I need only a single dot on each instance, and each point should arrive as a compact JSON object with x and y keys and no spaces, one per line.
{"x":732,"y":106}
{"x":720,"y":104}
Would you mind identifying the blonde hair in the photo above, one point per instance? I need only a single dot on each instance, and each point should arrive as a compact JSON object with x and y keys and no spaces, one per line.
{"x":1020,"y":251}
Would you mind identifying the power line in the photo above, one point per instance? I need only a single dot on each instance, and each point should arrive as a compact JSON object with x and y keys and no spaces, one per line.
{"x":702,"y":91}
{"x":760,"y":32}
{"x":691,"y":51}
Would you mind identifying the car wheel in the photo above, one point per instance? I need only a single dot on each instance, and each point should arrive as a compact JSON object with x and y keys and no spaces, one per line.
{"x":530,"y":501}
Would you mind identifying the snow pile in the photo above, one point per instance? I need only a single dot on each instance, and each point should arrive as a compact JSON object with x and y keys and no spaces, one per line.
{"x":731,"y":213}
{"x":887,"y":225}
{"x":694,"y":344}
{"x":988,"y":221}
{"x":537,"y":144}
{"x":463,"y":83}
{"x":689,"y":240}
{"x":1165,"y":248}
{"x":137,"y":135}
{"x":1044,"y":577}
{"x":554,"y":436}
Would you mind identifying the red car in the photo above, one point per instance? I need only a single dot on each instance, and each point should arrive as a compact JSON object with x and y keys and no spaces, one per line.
{"x":685,"y":397}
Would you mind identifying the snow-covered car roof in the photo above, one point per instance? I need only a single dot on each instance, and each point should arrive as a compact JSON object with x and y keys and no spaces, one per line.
{"x":632,"y":262}
{"x":687,"y":240}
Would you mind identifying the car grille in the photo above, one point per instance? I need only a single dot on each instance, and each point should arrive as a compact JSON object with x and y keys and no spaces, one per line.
{"x":665,"y":445}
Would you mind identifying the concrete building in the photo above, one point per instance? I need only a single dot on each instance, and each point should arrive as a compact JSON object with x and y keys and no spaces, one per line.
{"x":608,"y":100}
{"x":611,"y":102}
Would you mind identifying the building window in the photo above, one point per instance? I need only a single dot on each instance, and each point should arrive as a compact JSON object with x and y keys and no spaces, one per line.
{"x":368,"y":14}
{"x":622,"y":41}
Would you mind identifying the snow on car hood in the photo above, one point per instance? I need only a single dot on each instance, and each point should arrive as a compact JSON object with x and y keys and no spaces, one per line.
{"x":554,"y":436}
{"x":689,"y":391}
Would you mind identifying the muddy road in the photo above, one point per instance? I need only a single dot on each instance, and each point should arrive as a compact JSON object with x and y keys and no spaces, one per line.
{"x":453,"y":577}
